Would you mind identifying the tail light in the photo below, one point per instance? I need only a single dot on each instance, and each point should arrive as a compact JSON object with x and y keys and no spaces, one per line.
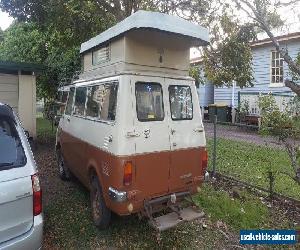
{"x":37,"y":195}
{"x":204,"y":160}
{"x":127,"y":179}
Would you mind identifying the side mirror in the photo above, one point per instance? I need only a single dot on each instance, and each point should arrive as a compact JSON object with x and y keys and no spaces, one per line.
{"x":30,"y":140}
{"x":56,"y":120}
{"x":32,"y":143}
{"x":27,"y":134}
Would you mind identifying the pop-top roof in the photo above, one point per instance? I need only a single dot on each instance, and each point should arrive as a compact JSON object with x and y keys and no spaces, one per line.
{"x":152,"y":20}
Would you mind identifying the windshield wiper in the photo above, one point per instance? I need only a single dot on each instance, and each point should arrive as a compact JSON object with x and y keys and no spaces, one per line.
{"x":6,"y":164}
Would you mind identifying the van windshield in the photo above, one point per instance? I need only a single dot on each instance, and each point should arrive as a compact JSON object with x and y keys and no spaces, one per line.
{"x":11,"y":151}
{"x":149,"y":101}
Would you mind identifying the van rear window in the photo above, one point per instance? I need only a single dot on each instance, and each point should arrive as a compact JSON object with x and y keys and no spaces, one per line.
{"x":11,"y":151}
{"x":149,"y":101}
{"x":181,"y":102}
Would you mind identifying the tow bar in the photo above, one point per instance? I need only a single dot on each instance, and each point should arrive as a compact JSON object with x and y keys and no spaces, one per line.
{"x":178,"y":214}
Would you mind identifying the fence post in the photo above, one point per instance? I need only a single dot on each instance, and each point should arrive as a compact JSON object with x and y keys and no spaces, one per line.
{"x":271,"y":182}
{"x":215,"y":146}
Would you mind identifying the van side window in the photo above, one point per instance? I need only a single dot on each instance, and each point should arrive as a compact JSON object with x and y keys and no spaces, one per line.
{"x":181,"y":102}
{"x":80,"y":98}
{"x":93,"y":102}
{"x":102,"y":101}
{"x":70,"y":101}
{"x":149,"y":101}
{"x":108,"y":99}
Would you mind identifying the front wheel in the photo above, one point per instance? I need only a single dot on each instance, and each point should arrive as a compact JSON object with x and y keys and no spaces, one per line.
{"x":101,"y":213}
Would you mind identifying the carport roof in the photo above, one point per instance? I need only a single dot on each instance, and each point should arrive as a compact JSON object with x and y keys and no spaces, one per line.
{"x":16,"y":66}
{"x":197,"y":34}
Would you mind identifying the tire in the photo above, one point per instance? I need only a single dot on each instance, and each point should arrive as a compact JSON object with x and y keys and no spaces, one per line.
{"x":63,"y":170}
{"x":100,"y":213}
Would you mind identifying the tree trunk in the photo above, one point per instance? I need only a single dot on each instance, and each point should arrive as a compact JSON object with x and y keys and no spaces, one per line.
{"x":262,"y":23}
{"x":293,"y":86}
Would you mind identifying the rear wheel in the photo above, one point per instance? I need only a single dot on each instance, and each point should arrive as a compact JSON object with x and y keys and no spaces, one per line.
{"x":101,"y":214}
{"x":64,"y":172}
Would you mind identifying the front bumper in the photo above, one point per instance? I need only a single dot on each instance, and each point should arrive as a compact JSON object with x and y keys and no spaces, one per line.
{"x":30,"y":240}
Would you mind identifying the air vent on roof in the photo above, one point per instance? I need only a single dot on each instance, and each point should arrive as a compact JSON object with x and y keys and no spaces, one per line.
{"x":101,"y":55}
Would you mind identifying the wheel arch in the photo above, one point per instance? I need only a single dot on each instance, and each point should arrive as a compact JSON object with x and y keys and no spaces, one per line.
{"x":94,"y":170}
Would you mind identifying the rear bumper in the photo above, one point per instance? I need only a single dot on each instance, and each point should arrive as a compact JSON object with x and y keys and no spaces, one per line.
{"x":136,"y":205}
{"x":30,"y":240}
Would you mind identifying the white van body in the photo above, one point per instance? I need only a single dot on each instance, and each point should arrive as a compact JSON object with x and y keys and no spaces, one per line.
{"x":132,"y":130}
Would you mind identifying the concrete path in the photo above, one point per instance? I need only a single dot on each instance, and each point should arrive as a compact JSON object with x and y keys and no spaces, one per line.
{"x":239,"y":134}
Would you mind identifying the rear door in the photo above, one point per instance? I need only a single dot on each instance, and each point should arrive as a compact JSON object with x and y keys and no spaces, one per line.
{"x":186,"y":134}
{"x":16,"y":204}
{"x":152,"y":139}
{"x":16,"y":207}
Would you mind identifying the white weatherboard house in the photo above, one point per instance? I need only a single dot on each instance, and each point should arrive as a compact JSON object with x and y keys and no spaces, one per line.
{"x":18,"y":89}
{"x":269,"y":72}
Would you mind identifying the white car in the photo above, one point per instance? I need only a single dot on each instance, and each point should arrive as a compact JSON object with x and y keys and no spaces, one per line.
{"x":21,"y":219}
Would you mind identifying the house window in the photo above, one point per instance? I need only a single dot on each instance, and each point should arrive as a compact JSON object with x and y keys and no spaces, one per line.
{"x":101,"y":55}
{"x":276,"y":69}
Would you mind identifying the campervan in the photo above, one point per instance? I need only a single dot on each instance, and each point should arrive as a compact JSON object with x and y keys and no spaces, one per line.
{"x":132,"y":131}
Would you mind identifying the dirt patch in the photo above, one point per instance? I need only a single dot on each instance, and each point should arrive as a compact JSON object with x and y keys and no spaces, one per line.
{"x":48,"y":172}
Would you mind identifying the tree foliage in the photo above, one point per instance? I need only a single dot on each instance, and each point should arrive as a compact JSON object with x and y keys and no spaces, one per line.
{"x":232,"y":59}
{"x":283,"y":125}
{"x":264,"y":15}
{"x":64,"y":25}
{"x":50,"y":33}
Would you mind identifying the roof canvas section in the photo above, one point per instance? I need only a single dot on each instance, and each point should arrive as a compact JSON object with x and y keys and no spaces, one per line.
{"x":198,"y":35}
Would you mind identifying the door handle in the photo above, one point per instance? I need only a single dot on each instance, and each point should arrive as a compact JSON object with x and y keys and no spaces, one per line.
{"x":199,"y":129}
{"x":68,"y":119}
{"x":173,"y":131}
{"x":132,"y":134}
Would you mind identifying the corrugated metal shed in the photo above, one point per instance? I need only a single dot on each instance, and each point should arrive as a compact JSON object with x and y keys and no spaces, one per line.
{"x":198,"y":35}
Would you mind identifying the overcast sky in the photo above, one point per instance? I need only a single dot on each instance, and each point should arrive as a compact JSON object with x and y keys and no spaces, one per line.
{"x":291,"y":17}
{"x":5,"y":20}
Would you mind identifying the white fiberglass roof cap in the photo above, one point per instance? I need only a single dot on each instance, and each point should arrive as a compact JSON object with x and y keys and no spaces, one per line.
{"x":198,"y":35}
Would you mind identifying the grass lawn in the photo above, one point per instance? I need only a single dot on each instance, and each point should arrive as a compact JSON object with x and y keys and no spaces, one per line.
{"x":251,"y":163}
{"x":44,"y":129}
